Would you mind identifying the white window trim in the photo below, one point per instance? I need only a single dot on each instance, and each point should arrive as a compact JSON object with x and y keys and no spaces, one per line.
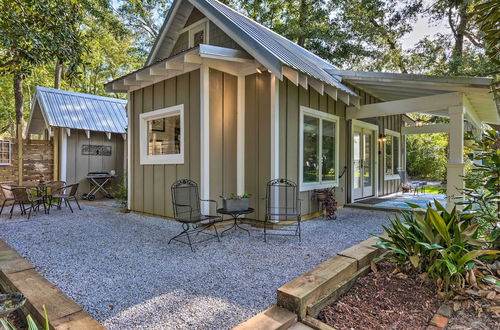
{"x":143,"y":136}
{"x":322,"y":116}
{"x":10,"y":152}
{"x":389,"y":132}
{"x":197,"y":26}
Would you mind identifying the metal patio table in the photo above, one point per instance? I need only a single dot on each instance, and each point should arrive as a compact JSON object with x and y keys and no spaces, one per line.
{"x":235,"y":215}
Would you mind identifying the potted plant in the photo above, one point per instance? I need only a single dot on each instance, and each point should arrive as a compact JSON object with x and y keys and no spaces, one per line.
{"x":235,"y":202}
{"x":326,"y":198}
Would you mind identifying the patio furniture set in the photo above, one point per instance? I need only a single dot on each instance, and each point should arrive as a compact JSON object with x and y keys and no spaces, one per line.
{"x":282,"y":203}
{"x":408,"y":185}
{"x":46,"y":194}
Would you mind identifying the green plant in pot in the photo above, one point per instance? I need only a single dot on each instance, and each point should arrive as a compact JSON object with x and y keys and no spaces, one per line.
{"x":235,"y":202}
{"x":326,"y":196}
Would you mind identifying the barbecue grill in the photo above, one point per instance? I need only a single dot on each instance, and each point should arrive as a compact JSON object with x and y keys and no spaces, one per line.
{"x":98,"y":180}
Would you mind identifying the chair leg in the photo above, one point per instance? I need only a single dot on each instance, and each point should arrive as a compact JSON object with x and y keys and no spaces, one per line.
{"x":1,"y":210}
{"x":12,"y":210}
{"x":29,"y":213}
{"x":300,"y":230}
{"x":265,"y":226}
{"x":216,"y":232}
{"x":76,"y":200}
{"x":69,"y":204}
{"x":189,"y":241}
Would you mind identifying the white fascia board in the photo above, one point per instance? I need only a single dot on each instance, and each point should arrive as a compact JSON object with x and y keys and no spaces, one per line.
{"x":417,"y":104}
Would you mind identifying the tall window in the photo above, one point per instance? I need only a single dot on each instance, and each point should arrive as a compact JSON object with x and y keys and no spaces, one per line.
{"x":162,"y":136}
{"x":318,"y":149}
{"x":391,"y":161}
{"x":5,"y":152}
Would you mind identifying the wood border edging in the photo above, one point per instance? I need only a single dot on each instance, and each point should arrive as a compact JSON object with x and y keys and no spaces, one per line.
{"x":16,"y":274}
{"x":307,"y":294}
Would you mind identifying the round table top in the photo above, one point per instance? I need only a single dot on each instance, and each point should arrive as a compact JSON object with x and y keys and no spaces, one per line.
{"x":224,"y":211}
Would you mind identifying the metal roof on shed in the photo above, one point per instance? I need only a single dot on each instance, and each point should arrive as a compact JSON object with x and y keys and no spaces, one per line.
{"x":73,"y":110}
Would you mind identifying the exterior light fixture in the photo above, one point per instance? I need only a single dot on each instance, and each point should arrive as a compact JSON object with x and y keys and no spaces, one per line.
{"x":419,"y":123}
{"x":382,"y":138}
{"x":258,"y":70}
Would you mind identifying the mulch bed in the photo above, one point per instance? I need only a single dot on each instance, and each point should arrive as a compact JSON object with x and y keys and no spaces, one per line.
{"x":384,"y":300}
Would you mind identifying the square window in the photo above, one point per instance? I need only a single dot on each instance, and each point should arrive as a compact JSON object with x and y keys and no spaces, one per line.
{"x":162,"y":136}
{"x":318,"y":149}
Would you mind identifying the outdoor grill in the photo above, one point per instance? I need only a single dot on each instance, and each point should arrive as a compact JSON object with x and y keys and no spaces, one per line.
{"x":98,"y":180}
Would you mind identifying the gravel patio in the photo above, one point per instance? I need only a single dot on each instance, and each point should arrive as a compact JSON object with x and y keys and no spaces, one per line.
{"x":120,"y":269}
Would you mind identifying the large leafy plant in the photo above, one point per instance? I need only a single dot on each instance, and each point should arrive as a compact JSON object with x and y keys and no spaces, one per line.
{"x":443,"y":244}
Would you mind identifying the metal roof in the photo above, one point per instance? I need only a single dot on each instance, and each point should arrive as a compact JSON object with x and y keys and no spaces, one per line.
{"x":73,"y":110}
{"x":268,"y":47}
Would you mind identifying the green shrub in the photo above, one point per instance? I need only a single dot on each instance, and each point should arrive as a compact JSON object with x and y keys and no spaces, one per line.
{"x":443,"y":244}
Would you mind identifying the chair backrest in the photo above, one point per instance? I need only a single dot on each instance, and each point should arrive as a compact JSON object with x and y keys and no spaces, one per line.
{"x":21,"y":194}
{"x":403,"y":176}
{"x":56,"y":187}
{"x":73,"y":188}
{"x":7,"y":191}
{"x":185,"y":199}
{"x":282,"y":198}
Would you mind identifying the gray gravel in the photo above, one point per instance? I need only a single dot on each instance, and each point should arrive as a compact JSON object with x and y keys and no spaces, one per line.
{"x":120,"y":269}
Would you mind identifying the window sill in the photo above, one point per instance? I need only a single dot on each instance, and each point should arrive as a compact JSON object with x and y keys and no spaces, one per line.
{"x":391,"y":177}
{"x":312,"y":186}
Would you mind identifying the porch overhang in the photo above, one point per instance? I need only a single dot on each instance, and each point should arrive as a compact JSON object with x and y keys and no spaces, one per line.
{"x":406,"y":93}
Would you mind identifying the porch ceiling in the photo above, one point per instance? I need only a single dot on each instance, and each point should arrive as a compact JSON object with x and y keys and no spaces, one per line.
{"x":397,"y":86}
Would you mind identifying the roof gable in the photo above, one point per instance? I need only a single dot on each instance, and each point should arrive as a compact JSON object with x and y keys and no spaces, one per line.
{"x":269,"y":48}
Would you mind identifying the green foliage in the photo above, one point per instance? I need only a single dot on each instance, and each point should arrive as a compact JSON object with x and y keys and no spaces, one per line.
{"x":236,"y":196}
{"x":443,"y":244}
{"x":121,"y":190}
{"x":426,"y":156}
{"x":29,"y":320}
{"x":482,"y":192}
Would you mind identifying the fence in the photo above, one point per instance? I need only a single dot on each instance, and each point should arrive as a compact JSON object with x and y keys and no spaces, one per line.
{"x":38,"y":161}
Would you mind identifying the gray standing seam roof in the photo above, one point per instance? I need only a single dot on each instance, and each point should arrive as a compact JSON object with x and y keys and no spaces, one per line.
{"x":82,"y":111}
{"x":264,"y":40}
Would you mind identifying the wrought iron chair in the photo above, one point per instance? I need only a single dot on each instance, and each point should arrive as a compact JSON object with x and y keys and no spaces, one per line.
{"x":56,"y":187}
{"x":66,"y":194}
{"x":412,"y":185}
{"x":22,"y":196}
{"x":282,"y":203}
{"x":8,"y":196}
{"x":186,"y":204}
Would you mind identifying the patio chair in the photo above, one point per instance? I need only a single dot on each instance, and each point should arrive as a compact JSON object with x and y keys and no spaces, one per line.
{"x":186,"y":205}
{"x":282,"y":203}
{"x":66,"y":194}
{"x":412,"y":185}
{"x":8,"y":196}
{"x":23,"y":196}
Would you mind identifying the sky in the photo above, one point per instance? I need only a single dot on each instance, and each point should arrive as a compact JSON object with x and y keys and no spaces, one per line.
{"x":423,"y":28}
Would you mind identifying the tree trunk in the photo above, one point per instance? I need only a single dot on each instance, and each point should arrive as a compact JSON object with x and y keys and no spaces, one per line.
{"x":58,"y":74}
{"x":459,"y":34}
{"x":301,"y":39}
{"x":18,"y":99}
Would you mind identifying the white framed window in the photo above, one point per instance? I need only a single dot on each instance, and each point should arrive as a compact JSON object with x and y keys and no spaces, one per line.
{"x":161,"y":134}
{"x":5,"y":152}
{"x":392,"y":150}
{"x":318,"y":149}
{"x":197,"y":33}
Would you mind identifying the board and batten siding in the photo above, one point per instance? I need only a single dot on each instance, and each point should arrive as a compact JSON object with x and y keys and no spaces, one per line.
{"x":151,"y":183}
{"x":257,"y":140}
{"x":291,"y":97}
{"x":223,"y":134}
{"x":78,"y":165}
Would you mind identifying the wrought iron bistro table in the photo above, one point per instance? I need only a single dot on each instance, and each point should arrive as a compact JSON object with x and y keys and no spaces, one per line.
{"x":235,"y":215}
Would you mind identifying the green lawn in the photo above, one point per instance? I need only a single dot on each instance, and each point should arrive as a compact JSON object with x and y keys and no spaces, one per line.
{"x":435,"y":189}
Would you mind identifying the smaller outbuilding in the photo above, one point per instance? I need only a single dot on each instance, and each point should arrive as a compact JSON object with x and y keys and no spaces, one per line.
{"x":88,"y":133}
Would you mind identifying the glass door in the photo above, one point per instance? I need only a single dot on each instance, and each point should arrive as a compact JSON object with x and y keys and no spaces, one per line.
{"x":363,"y":162}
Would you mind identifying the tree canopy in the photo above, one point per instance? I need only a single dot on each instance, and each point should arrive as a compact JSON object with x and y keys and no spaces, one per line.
{"x":79,"y":45}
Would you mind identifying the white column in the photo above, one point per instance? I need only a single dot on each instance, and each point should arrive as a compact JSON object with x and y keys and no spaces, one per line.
{"x":456,"y":164}
{"x":63,"y":154}
{"x":128,"y":167}
{"x":275,"y":126}
{"x":240,"y":142}
{"x":204,"y":137}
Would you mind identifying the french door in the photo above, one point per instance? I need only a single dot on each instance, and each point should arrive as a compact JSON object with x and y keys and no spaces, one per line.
{"x":364,"y":144}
